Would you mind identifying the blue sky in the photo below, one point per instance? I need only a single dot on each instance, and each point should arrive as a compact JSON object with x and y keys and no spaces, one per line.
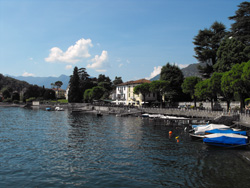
{"x":127,"y":38}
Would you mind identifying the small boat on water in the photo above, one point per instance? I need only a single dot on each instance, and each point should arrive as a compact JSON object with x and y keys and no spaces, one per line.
{"x":99,"y":114}
{"x":226,"y":140}
{"x":58,"y":108}
{"x":199,"y":131}
{"x":48,"y":109}
{"x":226,"y":131}
{"x":145,"y":115}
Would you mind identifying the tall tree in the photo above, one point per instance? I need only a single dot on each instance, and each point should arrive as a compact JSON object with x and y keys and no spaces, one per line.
{"x":235,"y":83}
{"x":58,"y":84}
{"x":143,"y":89}
{"x":117,"y":80}
{"x":174,"y":75}
{"x":207,"y":43}
{"x":160,"y":87}
{"x":227,"y":91}
{"x":74,"y":95}
{"x":231,"y":52}
{"x":188,"y":86}
{"x":203,"y":92}
{"x":241,"y":27}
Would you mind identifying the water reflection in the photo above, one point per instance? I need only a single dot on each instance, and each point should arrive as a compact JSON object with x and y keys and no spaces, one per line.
{"x":64,"y":149}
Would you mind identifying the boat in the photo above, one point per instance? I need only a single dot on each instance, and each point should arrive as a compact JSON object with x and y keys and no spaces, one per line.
{"x":145,"y":115}
{"x":196,"y":136}
{"x":58,"y":108}
{"x":226,"y":131}
{"x":99,"y":114}
{"x":155,"y":115}
{"x":226,"y":140}
{"x":199,"y":131}
{"x":48,"y":109}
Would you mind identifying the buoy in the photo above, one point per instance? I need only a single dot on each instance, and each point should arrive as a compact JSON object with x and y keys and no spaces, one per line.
{"x":170,"y":132}
{"x":177,"y":137}
{"x":177,"y":140}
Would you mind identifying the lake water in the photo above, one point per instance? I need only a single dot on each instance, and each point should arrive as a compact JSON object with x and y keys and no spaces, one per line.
{"x":64,"y":149}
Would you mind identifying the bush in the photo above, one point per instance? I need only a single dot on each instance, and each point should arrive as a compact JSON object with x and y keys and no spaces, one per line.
{"x":7,"y":100}
{"x":31,"y":99}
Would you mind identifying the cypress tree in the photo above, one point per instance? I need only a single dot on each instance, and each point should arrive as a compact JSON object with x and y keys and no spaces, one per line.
{"x":74,"y":89}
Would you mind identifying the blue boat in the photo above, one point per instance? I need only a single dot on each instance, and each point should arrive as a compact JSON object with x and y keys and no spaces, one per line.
{"x":226,"y":131}
{"x":226,"y":140}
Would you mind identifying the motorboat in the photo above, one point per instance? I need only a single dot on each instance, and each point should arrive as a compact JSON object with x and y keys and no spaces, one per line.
{"x":58,"y":108}
{"x":226,"y":140}
{"x":198,"y":132}
{"x":226,"y":131}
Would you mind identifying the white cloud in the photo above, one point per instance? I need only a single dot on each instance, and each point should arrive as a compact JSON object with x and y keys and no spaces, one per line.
{"x":26,"y":74}
{"x":99,"y":62}
{"x":74,"y":53}
{"x":157,"y":70}
{"x":182,"y":66}
{"x":68,"y":67}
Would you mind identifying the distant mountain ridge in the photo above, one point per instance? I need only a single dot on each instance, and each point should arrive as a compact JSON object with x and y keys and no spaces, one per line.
{"x":44,"y":81}
{"x":190,"y":70}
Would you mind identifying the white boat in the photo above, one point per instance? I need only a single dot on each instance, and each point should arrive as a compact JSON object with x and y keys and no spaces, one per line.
{"x":58,"y":108}
{"x":155,"y":115}
{"x":200,"y":130}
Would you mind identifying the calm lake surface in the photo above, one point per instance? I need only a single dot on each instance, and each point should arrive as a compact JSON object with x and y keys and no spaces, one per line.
{"x":64,"y":149}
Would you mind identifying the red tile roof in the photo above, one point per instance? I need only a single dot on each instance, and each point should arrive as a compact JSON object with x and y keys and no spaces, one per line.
{"x":141,"y":81}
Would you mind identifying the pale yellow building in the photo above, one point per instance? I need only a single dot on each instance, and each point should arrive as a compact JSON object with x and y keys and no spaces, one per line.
{"x":125,"y":93}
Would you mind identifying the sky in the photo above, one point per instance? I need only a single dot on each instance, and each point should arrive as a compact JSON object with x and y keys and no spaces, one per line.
{"x":131,"y":39}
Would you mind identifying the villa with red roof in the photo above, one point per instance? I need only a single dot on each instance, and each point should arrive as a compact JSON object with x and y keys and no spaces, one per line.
{"x":125,"y":93}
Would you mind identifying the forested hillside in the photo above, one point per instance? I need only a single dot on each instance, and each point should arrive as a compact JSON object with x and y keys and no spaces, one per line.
{"x":14,"y":84}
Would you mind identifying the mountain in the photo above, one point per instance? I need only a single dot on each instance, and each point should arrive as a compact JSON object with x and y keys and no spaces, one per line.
{"x":190,"y":70}
{"x":44,"y":81}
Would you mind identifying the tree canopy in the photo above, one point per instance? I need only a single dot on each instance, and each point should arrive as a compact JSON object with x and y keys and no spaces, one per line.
{"x":206,"y":44}
{"x":74,"y":94}
{"x":240,"y":29}
{"x":231,"y":52}
{"x":188,"y":86}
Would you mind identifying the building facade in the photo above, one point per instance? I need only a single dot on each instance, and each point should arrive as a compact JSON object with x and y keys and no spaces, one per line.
{"x":125,"y":94}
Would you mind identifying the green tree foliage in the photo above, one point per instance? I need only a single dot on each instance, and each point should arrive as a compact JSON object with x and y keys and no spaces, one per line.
{"x":206,"y":44}
{"x":174,"y":75}
{"x":232,"y":82}
{"x":87,"y":95}
{"x":228,"y":93}
{"x":58,"y":84}
{"x":246,"y":76}
{"x":160,"y":87}
{"x":74,"y":95}
{"x":49,"y":94}
{"x":33,"y":91}
{"x":188,"y":86}
{"x":97,"y":93}
{"x":203,"y":92}
{"x":117,"y":80}
{"x":15,"y":96}
{"x":6,"y":93}
{"x":231,"y":52}
{"x":14,"y":84}
{"x":241,"y":27}
{"x":85,"y":81}
{"x":143,"y":89}
{"x":106,"y":84}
